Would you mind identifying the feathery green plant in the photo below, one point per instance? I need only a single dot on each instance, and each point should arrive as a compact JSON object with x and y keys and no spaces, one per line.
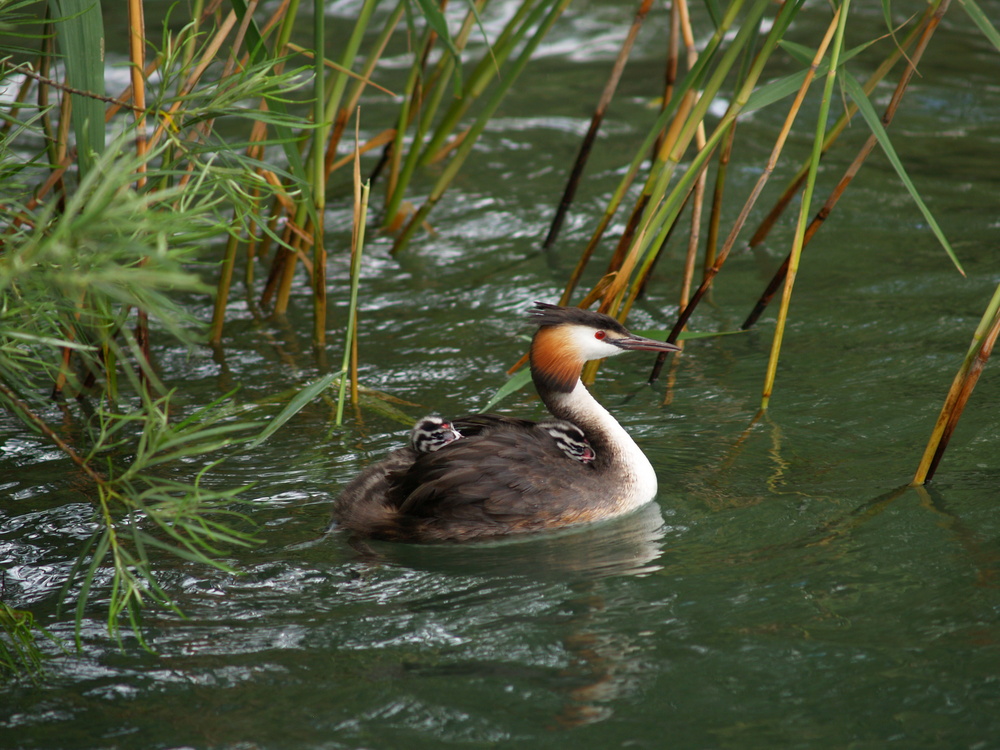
{"x":81,"y":270}
{"x":19,"y":653}
{"x":71,"y":281}
{"x":98,"y":240}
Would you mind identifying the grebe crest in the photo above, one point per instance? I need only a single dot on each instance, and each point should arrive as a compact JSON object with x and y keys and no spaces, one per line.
{"x":505,"y":475}
{"x":432,"y":433}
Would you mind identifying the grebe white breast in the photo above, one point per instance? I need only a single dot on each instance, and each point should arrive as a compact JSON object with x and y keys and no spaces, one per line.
{"x":509,"y":476}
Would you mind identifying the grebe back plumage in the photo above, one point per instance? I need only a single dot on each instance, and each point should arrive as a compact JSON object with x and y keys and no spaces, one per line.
{"x":507,"y":475}
{"x":433,"y":433}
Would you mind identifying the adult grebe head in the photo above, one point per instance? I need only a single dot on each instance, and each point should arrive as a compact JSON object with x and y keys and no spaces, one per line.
{"x":568,"y":337}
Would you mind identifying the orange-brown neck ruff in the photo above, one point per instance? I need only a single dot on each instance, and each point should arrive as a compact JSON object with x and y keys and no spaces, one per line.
{"x":555,"y":363}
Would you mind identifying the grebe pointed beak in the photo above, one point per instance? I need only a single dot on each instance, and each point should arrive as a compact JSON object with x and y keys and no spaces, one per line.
{"x":642,"y":344}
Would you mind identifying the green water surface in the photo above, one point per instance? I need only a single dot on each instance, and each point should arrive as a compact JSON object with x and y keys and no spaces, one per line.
{"x":786,"y":590}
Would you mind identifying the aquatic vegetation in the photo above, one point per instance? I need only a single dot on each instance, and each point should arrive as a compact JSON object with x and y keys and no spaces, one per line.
{"x":121,"y":207}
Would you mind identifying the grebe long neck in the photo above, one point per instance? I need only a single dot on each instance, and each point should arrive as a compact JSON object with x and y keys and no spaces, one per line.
{"x":629,"y":478}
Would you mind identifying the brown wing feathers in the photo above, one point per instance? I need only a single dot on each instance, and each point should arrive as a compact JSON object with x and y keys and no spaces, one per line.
{"x":487,"y":481}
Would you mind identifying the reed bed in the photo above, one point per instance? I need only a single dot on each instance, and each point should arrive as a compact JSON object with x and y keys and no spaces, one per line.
{"x":229,"y":133}
{"x":683,"y":155}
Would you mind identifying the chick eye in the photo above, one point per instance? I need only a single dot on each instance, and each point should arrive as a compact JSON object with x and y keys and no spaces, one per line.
{"x":600,"y":335}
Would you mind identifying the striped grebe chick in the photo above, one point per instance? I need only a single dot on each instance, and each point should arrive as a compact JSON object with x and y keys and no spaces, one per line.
{"x":505,"y":475}
{"x":570,"y":439}
{"x":432,"y":433}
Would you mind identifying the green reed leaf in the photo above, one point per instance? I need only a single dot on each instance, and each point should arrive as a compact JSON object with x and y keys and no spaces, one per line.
{"x":298,"y":402}
{"x":80,"y":31}
{"x":778,"y":89}
{"x":514,"y":383}
{"x":857,"y":93}
{"x":980,"y":19}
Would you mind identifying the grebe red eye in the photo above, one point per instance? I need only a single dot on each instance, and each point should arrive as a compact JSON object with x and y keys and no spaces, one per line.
{"x":600,"y":335}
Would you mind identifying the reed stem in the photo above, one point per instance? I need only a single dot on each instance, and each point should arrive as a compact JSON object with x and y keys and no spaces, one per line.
{"x":721,"y":131}
{"x":527,"y":16}
{"x":840,"y":22}
{"x":361,"y":193}
{"x":769,"y":221}
{"x":463,"y":151}
{"x":595,"y":124}
{"x":322,"y":125}
{"x":964,"y":381}
{"x":655,"y":136}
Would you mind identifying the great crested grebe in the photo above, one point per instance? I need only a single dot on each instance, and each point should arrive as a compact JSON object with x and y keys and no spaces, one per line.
{"x":433,"y":433}
{"x":506,"y":475}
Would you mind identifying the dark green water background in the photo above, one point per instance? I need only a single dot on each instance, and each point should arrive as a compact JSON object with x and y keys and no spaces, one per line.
{"x":779,"y":594}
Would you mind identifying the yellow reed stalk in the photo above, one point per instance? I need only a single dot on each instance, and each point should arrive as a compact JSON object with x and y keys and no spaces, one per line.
{"x":699,"y":188}
{"x":654,"y":140}
{"x":137,"y":58}
{"x":347,"y":371}
{"x":361,"y":83}
{"x":596,"y":119}
{"x":838,"y":23}
{"x":667,"y":158}
{"x":764,"y":228}
{"x":923,"y":31}
{"x":664,"y":211}
{"x":222,"y":291}
{"x":715,"y":215}
{"x":779,"y":144}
